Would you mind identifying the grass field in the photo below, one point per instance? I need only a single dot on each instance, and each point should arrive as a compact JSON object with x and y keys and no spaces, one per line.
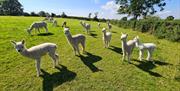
{"x":99,"y":70}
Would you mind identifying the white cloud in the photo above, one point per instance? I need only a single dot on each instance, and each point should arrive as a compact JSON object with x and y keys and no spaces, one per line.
{"x":109,"y":10}
{"x":110,"y":5}
{"x":163,"y":14}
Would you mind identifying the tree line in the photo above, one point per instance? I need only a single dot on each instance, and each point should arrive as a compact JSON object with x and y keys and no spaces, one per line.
{"x":15,"y":8}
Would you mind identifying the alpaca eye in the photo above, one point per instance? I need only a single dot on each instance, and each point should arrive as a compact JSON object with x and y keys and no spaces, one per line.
{"x":22,"y":47}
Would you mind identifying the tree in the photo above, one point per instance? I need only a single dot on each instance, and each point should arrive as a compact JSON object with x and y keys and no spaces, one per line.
{"x":26,"y":14}
{"x":152,"y":18}
{"x":138,"y":8}
{"x":47,"y":14}
{"x":170,"y":18}
{"x":89,"y":16}
{"x":63,"y":15}
{"x":53,"y":15}
{"x":33,"y":14}
{"x":10,"y":7}
{"x":124,"y":19}
{"x":42,"y":14}
{"x":96,"y":16}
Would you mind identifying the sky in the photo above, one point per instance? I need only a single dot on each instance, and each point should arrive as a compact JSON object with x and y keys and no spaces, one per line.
{"x":106,"y":8}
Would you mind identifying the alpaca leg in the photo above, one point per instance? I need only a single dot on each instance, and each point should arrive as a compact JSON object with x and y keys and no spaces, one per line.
{"x":83,"y":46}
{"x":124,"y":55}
{"x":106,"y":44}
{"x":57,"y":58}
{"x":149,"y":55}
{"x":129,"y":57}
{"x":46,"y":29}
{"x":54,"y":58}
{"x":74,"y":50}
{"x":87,"y":31}
{"x":141,"y":54}
{"x":38,"y":30}
{"x":38,"y":66}
{"x":29,"y":31}
{"x":35,"y":30}
{"x":77,"y":48}
{"x":109,"y":43}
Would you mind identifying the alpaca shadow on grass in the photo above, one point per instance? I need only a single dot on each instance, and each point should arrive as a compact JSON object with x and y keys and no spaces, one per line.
{"x":177,"y":79}
{"x":58,"y":26}
{"x":116,"y":49}
{"x":51,"y":81}
{"x":92,"y":31}
{"x":147,"y":66}
{"x":89,"y":59}
{"x":177,"y":75}
{"x":114,"y":32}
{"x":45,"y":34}
{"x":93,"y":35}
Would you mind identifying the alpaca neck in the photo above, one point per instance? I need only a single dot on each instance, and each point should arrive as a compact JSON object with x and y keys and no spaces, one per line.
{"x":82,"y":24}
{"x":139,"y":43}
{"x":70,"y":38}
{"x":31,"y":28}
{"x":104,"y":34}
{"x":25,"y":53}
{"x":124,"y":44}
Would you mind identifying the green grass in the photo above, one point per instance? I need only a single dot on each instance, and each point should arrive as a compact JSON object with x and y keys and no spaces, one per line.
{"x":100,"y":70}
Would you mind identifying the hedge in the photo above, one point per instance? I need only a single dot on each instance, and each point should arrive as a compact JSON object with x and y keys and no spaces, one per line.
{"x":160,"y":28}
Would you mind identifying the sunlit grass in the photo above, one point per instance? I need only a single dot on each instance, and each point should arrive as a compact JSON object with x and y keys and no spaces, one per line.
{"x":100,"y":70}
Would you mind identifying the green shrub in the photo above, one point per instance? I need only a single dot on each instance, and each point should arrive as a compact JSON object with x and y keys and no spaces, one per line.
{"x":160,"y":28}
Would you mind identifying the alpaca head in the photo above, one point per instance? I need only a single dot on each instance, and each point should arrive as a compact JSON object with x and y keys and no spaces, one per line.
{"x":136,"y":39}
{"x":66,"y":31}
{"x":19,"y":46}
{"x":82,"y":22}
{"x":104,"y":30}
{"x":64,"y":24}
{"x":124,"y":36}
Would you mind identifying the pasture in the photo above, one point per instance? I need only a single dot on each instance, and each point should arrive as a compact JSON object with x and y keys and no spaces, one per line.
{"x":100,"y":69}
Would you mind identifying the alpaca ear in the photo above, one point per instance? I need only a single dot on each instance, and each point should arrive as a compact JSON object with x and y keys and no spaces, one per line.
{"x":13,"y":42}
{"x":23,"y":41}
{"x":137,"y":37}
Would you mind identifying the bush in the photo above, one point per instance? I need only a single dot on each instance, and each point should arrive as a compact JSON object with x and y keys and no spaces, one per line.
{"x":26,"y":14}
{"x":160,"y":28}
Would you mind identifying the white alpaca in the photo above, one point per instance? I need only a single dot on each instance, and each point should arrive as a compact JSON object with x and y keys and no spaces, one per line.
{"x":106,"y":37}
{"x":99,"y":25}
{"x":54,"y":23}
{"x":145,"y":46}
{"x":64,"y":24}
{"x":75,"y":40}
{"x":37,"y":25}
{"x":127,"y":47}
{"x":37,"y":52}
{"x":51,"y":19}
{"x":86,"y":26}
{"x":109,"y":26}
{"x":46,"y":18}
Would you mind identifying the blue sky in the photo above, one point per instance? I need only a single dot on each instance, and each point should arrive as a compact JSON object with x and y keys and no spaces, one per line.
{"x":106,"y":8}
